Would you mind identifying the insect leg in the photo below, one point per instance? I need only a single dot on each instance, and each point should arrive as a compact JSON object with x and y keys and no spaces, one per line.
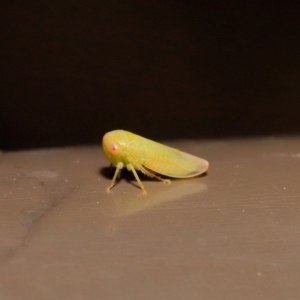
{"x":152,"y":174}
{"x":119,"y":167}
{"x":131,"y":168}
{"x":162,"y":179}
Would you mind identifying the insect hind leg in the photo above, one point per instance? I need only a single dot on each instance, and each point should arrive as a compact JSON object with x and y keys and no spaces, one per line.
{"x":151,"y":174}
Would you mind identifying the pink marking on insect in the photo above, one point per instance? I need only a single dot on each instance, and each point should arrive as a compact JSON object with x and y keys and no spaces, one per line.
{"x":113,"y":148}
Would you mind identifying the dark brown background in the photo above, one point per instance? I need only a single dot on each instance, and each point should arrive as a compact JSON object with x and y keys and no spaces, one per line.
{"x":72,"y":70}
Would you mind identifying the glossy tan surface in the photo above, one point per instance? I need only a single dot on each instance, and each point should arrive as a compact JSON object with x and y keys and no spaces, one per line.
{"x":231,"y":234}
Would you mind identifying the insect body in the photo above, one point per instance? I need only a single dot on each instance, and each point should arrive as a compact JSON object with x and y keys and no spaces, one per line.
{"x":125,"y":149}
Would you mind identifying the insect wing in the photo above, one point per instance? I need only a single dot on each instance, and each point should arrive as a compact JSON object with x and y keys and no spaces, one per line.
{"x":171,"y":162}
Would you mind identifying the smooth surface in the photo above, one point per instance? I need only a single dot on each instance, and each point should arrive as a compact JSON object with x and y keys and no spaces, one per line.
{"x":231,"y":234}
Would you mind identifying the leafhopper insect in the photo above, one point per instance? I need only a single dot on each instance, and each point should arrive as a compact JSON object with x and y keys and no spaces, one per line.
{"x":126,"y":149}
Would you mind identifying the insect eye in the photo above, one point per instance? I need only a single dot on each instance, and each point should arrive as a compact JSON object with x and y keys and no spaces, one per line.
{"x":113,"y":148}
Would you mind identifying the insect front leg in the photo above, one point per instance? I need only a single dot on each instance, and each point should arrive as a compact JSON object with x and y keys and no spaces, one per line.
{"x":119,"y":174}
{"x":131,"y":168}
{"x":119,"y":167}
